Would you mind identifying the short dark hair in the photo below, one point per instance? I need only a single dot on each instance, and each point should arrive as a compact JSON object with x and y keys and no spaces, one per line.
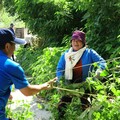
{"x":3,"y":45}
{"x":12,"y":24}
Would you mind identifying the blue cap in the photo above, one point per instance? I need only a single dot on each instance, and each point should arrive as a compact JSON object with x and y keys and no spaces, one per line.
{"x":7,"y":36}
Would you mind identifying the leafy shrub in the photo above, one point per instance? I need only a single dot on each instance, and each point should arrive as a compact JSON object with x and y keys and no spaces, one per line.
{"x":21,"y":113}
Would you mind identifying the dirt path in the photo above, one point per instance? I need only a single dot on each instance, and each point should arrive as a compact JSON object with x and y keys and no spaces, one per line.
{"x":39,"y":114}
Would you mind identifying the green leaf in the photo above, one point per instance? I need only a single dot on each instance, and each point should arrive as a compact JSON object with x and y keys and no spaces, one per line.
{"x":104,"y":73}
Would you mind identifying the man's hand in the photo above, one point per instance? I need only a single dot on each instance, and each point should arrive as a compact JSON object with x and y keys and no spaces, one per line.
{"x":49,"y":84}
{"x":34,"y":89}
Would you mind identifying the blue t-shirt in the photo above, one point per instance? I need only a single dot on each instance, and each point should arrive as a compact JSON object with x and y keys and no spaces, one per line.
{"x":10,"y":73}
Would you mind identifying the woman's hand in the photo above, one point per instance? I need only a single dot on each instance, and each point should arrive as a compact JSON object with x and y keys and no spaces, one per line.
{"x":10,"y":97}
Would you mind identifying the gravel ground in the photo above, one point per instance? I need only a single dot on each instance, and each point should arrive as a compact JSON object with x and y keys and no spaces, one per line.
{"x":39,"y":114}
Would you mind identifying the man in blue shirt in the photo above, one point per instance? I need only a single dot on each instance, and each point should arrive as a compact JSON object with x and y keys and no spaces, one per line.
{"x":12,"y":73}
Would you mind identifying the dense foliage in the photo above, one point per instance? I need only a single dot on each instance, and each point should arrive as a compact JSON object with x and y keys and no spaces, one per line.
{"x":53,"y":20}
{"x":103,"y":26}
{"x":50,"y":19}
